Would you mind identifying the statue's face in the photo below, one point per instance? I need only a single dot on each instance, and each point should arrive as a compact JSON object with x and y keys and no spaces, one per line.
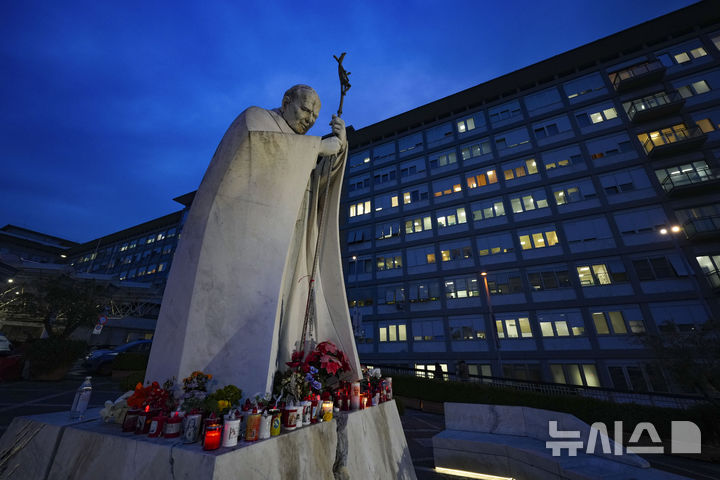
{"x":302,"y":112}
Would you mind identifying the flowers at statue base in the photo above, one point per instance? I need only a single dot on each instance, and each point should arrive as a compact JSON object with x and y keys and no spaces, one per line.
{"x":322,"y":369}
{"x":153,"y":396}
{"x":222,"y":400}
{"x":195,"y":392}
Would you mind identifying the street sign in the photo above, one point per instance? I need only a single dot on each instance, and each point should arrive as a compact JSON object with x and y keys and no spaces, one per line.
{"x":102,"y":320}
{"x":97,"y":329}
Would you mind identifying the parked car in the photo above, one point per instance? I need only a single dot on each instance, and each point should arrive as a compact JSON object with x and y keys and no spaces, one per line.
{"x":100,"y":361}
{"x":5,"y":345}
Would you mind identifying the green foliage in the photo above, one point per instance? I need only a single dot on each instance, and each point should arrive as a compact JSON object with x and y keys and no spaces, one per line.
{"x":134,"y":361}
{"x":48,"y":354}
{"x":223,"y":399}
{"x":129,"y":382}
{"x":589,"y":410}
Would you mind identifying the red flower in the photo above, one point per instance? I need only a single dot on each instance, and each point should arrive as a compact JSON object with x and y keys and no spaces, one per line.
{"x":330,"y":364}
{"x":296,"y":359}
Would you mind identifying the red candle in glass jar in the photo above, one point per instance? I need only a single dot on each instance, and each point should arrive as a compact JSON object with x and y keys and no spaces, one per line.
{"x":143,"y":421}
{"x":213,"y":436}
{"x":130,"y":420}
{"x":156,"y":426}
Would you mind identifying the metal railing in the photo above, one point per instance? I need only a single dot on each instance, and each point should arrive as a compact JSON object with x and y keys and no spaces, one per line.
{"x":666,"y":400}
{"x":636,"y":71}
{"x":653,"y":102}
{"x":670,"y":136}
{"x":682,"y":179}
{"x":695,"y":226}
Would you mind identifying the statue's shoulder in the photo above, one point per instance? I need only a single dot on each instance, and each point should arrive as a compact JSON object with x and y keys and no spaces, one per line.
{"x":259,"y":119}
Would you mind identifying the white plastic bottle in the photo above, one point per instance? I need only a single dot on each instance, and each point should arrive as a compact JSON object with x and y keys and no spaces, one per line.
{"x":82,"y":398}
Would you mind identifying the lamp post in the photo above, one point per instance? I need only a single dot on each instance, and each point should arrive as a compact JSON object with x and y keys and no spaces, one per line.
{"x":493,"y":323}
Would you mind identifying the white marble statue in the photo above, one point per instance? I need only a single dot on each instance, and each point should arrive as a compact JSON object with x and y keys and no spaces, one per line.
{"x":236,"y":294}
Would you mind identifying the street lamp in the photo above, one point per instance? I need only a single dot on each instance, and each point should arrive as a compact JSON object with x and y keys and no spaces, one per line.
{"x":493,"y":323}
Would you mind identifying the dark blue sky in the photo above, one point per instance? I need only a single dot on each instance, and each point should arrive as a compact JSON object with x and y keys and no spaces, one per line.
{"x":108,"y":110}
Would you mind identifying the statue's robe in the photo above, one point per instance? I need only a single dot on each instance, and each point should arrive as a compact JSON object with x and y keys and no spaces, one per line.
{"x":235,"y":298}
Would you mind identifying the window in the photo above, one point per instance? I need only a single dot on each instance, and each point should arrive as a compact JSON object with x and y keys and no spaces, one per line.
{"x":527,"y":201}
{"x":393,"y":333}
{"x":362,"y":297}
{"x":549,"y":277}
{"x":387,"y":230}
{"x":357,"y":266}
{"x":710,"y":265}
{"x":659,"y":267}
{"x":391,"y":295}
{"x":455,"y":252}
{"x":358,"y":184}
{"x":679,"y":57}
{"x":384,"y":176}
{"x":466,"y":125}
{"x":428,"y":330}
{"x":487,"y":209}
{"x":481,"y":179}
{"x":461,"y":287}
{"x":575,"y":374}
{"x":543,"y":101}
{"x":388,"y":261}
{"x":561,"y":323}
{"x":152,"y":268}
{"x":424,"y":291}
{"x":584,"y":87}
{"x":586,"y":119}
{"x":542,"y":239}
{"x":443,"y":159}
{"x":612,"y":321}
{"x":695,"y":88}
{"x":466,"y":328}
{"x":505,"y":113}
{"x":415,"y":195}
{"x":358,"y":236}
{"x":495,"y":244}
{"x":573,"y":192}
{"x":475,"y":149}
{"x":439,"y":135}
{"x":383,"y":153}
{"x":594,"y":232}
{"x":666,"y":136}
{"x":515,"y":327}
{"x":358,"y":160}
{"x":683,"y":316}
{"x":518,"y":169}
{"x":609,"y":146}
{"x":562,"y":158}
{"x":418,"y":224}
{"x":623,"y":181}
{"x":410,"y":144}
{"x":602,"y":273}
{"x":446,"y":186}
{"x":422,"y":255}
{"x":450,"y":218}
{"x":512,"y":139}
{"x":360,"y":208}
{"x":162,"y":267}
{"x":413,"y":167}
{"x":504,"y":283}
{"x":386,"y":202}
{"x":647,"y":220}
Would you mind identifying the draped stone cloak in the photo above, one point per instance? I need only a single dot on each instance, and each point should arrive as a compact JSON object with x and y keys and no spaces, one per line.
{"x":235,"y":298}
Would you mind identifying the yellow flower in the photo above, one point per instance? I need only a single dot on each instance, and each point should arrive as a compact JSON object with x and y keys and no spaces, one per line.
{"x":223,"y":404}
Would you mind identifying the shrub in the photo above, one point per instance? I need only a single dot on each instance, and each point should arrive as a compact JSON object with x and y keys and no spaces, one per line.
{"x":50,"y":354}
{"x":129,"y":382}
{"x":134,"y":361}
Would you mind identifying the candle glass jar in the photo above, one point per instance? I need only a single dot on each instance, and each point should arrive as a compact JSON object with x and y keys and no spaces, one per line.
{"x":213,"y":434}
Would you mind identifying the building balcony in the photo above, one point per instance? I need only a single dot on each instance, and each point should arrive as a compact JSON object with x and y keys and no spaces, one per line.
{"x":655,"y":106}
{"x":693,"y":182}
{"x":638,"y":75}
{"x":702,"y":228}
{"x":672,"y":140}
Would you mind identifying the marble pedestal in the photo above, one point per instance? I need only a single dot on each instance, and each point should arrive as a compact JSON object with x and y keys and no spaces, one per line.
{"x":365,"y":444}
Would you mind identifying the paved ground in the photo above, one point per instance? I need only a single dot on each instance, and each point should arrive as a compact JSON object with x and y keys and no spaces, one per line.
{"x":32,"y":397}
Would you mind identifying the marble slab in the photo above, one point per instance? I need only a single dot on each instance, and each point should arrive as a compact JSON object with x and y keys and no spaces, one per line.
{"x":364,"y":444}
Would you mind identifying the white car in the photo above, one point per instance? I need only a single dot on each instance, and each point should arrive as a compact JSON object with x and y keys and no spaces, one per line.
{"x":5,"y":345}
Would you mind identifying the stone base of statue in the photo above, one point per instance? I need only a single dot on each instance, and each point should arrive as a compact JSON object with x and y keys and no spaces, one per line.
{"x":367,"y":443}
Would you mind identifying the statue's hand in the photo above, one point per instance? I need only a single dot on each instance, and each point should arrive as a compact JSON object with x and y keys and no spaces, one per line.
{"x":338,"y":128}
{"x":330,"y":146}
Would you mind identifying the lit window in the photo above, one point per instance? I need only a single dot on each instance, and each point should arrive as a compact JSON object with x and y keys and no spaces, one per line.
{"x":682,"y":57}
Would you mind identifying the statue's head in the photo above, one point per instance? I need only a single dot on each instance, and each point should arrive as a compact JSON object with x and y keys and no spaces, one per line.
{"x":300,"y":108}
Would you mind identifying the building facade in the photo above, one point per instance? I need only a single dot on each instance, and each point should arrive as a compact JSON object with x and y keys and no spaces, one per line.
{"x":533,"y":225}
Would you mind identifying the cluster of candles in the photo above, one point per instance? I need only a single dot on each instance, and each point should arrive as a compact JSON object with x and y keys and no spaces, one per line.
{"x":251,"y":423}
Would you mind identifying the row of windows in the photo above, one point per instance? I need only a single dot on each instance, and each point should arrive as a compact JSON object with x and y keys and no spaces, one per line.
{"x":143,"y":271}
{"x":588,"y":86}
